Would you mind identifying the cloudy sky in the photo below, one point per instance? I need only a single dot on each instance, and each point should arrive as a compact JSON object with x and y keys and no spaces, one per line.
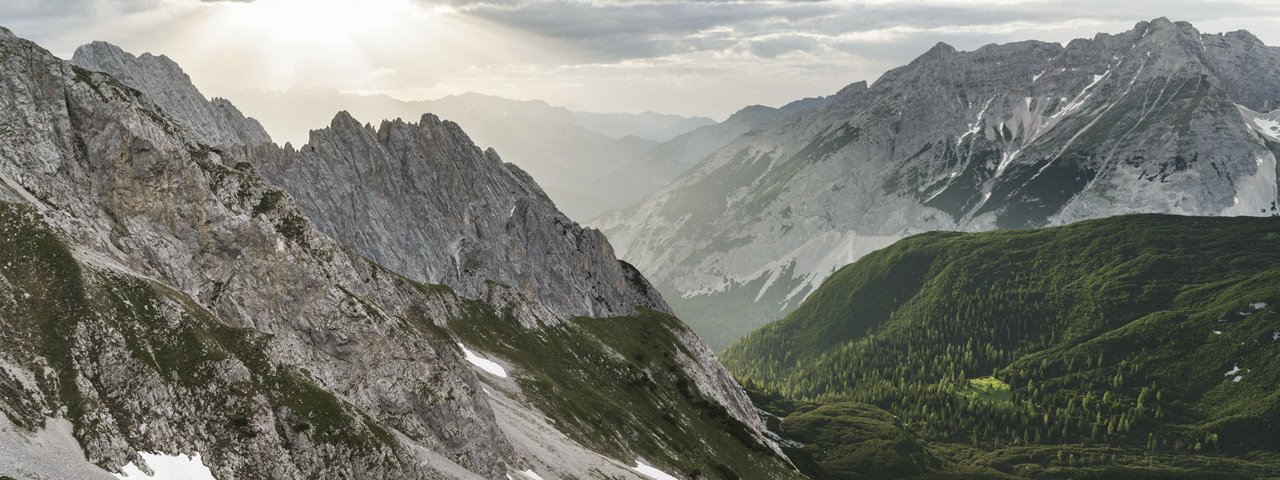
{"x":706,"y":57}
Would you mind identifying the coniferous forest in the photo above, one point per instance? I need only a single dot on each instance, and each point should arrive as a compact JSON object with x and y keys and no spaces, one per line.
{"x":1131,"y":345}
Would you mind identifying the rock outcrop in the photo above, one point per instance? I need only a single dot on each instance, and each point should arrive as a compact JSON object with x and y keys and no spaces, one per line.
{"x":217,"y":122}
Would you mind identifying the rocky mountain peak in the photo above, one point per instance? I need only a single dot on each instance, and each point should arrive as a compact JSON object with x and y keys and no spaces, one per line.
{"x":216,"y":122}
{"x":1012,"y":135}
{"x":852,"y":89}
{"x":164,"y":297}
{"x":476,"y":221}
{"x":752,"y":114}
{"x":940,"y":49}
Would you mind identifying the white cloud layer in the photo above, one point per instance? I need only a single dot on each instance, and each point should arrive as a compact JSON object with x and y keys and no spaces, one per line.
{"x":693,"y":57}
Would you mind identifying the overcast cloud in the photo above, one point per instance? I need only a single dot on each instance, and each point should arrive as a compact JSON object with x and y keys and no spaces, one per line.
{"x":690,"y":57}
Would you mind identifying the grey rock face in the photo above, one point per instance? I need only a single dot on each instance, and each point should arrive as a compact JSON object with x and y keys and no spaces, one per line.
{"x":176,"y":242}
{"x":160,"y":296}
{"x":423,"y":200}
{"x":273,"y":350}
{"x":217,"y":123}
{"x":1016,"y":135}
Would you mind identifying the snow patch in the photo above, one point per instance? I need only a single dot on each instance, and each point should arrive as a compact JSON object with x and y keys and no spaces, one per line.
{"x":1275,"y":336}
{"x":1266,"y":124}
{"x":168,"y":467}
{"x":1233,"y":371}
{"x":529,"y":474}
{"x":648,"y":471}
{"x":1217,"y":332}
{"x":1256,"y":193}
{"x":931,"y":197}
{"x":976,"y":126}
{"x":1005,"y":160}
{"x":773,"y":277}
{"x":1140,"y":69}
{"x":1237,"y":379}
{"x":1082,"y":96}
{"x":1268,"y":127}
{"x":485,"y":364}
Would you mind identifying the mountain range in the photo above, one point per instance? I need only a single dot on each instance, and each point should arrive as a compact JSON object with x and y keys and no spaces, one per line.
{"x":1032,"y":260}
{"x":165,"y":303}
{"x":588,"y":163}
{"x":1157,"y":119}
{"x":563,"y":150}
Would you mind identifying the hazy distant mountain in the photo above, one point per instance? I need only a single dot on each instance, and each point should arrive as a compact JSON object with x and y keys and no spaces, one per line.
{"x":1161,"y":118}
{"x":588,"y":163}
{"x":658,"y":127}
{"x":656,"y":168}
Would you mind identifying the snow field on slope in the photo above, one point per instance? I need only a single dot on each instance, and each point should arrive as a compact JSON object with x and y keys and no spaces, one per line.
{"x":485,"y":364}
{"x":168,"y":467}
{"x":648,"y":471}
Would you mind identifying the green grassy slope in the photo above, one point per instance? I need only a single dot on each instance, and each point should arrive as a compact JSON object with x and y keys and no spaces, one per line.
{"x":616,"y":386}
{"x":1117,"y":340}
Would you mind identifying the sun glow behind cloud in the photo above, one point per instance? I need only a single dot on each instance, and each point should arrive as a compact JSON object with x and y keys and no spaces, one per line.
{"x":402,"y":47}
{"x":371,"y":45}
{"x":326,"y":21}
{"x":691,"y":57}
{"x":323,"y":43}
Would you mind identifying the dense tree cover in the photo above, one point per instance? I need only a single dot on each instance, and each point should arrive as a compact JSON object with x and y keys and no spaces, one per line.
{"x":1136,"y":340}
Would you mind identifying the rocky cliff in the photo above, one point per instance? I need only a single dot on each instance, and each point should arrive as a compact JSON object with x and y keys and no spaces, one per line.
{"x":423,"y":200}
{"x":166,"y":299}
{"x":1160,"y":119}
{"x":162,"y":298}
{"x":215,"y":122}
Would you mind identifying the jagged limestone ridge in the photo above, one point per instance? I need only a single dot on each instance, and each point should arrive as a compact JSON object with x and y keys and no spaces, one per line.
{"x":140,"y":202}
{"x":215,"y":122}
{"x":422,"y":199}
